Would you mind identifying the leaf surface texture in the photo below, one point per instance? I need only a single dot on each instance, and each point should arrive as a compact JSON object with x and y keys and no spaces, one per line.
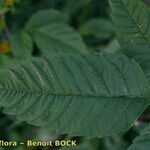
{"x":93,"y":95}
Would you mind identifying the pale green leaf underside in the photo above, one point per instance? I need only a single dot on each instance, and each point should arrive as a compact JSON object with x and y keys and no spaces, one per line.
{"x":93,"y":95}
{"x":21,"y":44}
{"x":142,"y":142}
{"x":58,"y":38}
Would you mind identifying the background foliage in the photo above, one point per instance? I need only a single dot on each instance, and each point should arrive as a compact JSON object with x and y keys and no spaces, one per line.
{"x":43,"y":27}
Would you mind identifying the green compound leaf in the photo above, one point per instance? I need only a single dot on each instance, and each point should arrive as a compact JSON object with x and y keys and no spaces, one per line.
{"x":93,"y":95}
{"x":141,"y":142}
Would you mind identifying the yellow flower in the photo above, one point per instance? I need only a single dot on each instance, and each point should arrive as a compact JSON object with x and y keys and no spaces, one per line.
{"x":4,"y":47}
{"x":9,"y":2}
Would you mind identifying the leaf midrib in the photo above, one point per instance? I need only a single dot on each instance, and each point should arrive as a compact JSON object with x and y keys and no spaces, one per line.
{"x":76,"y":95}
